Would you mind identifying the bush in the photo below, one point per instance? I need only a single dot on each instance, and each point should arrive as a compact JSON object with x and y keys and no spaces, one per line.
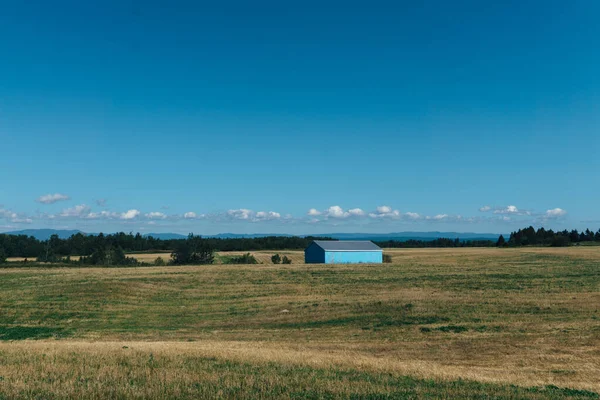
{"x":387,"y":258}
{"x":2,"y":256}
{"x":286,"y":260}
{"x":159,"y":262}
{"x":243,"y":259}
{"x":276,"y":259}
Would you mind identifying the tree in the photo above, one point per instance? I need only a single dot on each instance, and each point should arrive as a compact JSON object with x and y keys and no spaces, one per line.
{"x":574,"y":236}
{"x":276,"y":259}
{"x":560,"y":241}
{"x":286,"y":260}
{"x":2,"y":255}
{"x":193,"y":250}
{"x":49,"y":253}
{"x":501,"y":241}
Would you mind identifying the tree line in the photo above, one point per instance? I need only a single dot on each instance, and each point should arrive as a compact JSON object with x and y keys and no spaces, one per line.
{"x":85,"y":245}
{"x":441,"y":242}
{"x":112,"y":249}
{"x":547,"y":237}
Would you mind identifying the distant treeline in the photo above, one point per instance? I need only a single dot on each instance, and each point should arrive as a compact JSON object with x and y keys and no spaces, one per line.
{"x":111,"y":249}
{"x":86,"y":245}
{"x":523,"y":237}
{"x":442,"y":242}
{"x":542,"y":237}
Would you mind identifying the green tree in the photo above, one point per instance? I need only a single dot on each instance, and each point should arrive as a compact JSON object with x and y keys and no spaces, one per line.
{"x":501,"y":241}
{"x":276,"y":259}
{"x":2,"y":255}
{"x":193,"y":250}
{"x":49,"y":253}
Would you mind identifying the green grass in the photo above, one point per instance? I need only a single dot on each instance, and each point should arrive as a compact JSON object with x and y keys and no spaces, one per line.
{"x":523,"y":316}
{"x":31,"y":332}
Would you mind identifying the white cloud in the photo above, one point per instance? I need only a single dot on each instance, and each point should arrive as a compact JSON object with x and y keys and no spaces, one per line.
{"x":356,"y":212}
{"x":267,"y":216}
{"x":190,"y":215}
{"x":7,"y":214}
{"x":413,"y":215}
{"x":511,"y":210}
{"x":52,"y":198}
{"x":555,"y":213}
{"x":385,"y":212}
{"x":313,"y":212}
{"x":78,"y":211}
{"x":438,"y":217}
{"x":245,"y":214}
{"x":102,"y":214}
{"x":242,"y":213}
{"x":335,"y":212}
{"x":485,"y":208}
{"x":507,"y":210}
{"x":384,"y":209}
{"x":156,"y":215}
{"x":130,"y":214}
{"x":21,"y":220}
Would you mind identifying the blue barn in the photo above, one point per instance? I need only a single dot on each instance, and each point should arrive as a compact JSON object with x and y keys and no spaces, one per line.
{"x":343,"y":252}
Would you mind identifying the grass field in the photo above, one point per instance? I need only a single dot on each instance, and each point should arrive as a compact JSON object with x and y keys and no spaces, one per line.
{"x":468,"y":323}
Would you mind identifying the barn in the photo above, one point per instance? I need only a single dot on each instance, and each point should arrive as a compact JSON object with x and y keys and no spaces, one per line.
{"x":343,"y":252}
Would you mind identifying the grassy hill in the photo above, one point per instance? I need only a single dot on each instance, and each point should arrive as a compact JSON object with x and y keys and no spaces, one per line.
{"x":468,"y":323}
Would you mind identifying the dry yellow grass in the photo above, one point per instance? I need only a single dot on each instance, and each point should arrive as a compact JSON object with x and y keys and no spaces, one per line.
{"x":515,"y":316}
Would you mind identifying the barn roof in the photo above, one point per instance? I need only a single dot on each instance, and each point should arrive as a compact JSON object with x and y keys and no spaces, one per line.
{"x":347,"y":245}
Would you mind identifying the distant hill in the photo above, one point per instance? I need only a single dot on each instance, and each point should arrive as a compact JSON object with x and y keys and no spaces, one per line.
{"x":44,"y":234}
{"x":404,"y":236}
{"x":166,"y":236}
{"x":399,"y":236}
{"x":245,"y":235}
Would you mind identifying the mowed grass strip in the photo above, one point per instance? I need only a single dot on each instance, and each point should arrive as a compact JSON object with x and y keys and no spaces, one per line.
{"x":159,"y":371}
{"x":513,"y":316}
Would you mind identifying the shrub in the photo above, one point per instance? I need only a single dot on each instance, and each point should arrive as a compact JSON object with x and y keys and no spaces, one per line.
{"x":159,"y":262}
{"x":387,"y":258}
{"x":276,"y":259}
{"x":243,"y":259}
{"x":2,"y":256}
{"x":286,"y":260}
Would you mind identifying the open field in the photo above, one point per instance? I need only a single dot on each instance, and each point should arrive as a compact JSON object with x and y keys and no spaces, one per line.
{"x":434,"y":323}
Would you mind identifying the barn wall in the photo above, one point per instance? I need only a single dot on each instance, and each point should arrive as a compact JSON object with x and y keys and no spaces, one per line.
{"x":314,"y":255}
{"x":351,"y":257}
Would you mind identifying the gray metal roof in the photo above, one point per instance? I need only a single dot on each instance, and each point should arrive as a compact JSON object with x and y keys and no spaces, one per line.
{"x":347,"y":245}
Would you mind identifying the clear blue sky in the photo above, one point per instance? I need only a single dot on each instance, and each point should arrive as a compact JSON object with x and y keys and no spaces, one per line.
{"x":246,"y":115}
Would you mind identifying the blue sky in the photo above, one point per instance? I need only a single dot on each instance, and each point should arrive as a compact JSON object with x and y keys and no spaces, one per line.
{"x":299,"y":117}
